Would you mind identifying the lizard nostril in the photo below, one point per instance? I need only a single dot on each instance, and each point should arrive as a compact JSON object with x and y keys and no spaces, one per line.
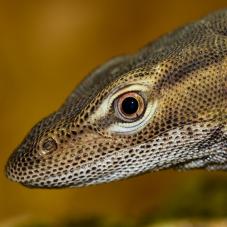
{"x":49,"y":145}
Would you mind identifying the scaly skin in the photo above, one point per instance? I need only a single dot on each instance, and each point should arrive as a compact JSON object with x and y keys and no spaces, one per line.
{"x":182,"y":79}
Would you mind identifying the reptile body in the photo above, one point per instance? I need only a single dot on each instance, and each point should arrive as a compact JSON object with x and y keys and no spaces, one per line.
{"x":162,"y":107}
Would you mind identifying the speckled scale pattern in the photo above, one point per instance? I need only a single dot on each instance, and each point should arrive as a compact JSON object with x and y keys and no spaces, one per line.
{"x":186,"y":72}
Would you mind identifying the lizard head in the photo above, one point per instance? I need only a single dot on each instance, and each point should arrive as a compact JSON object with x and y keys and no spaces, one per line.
{"x":161,"y":108}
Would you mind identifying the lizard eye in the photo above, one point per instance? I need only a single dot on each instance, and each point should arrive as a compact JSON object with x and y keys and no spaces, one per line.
{"x":133,"y":105}
{"x":129,"y":106}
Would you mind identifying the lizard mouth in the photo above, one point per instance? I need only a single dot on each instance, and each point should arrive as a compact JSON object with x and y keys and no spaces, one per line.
{"x":188,"y":148}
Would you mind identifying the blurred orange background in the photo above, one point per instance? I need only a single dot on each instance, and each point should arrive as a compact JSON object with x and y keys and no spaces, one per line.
{"x":47,"y":47}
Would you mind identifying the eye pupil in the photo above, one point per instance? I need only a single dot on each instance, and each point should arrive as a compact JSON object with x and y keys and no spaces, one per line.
{"x":130,"y":105}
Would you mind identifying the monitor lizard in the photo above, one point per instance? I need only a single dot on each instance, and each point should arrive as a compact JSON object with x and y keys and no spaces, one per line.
{"x":160,"y":108}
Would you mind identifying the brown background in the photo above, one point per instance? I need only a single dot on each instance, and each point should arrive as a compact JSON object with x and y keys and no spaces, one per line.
{"x":46,"y":48}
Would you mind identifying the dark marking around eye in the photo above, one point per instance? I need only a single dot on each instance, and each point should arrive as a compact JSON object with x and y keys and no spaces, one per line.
{"x":49,"y":145}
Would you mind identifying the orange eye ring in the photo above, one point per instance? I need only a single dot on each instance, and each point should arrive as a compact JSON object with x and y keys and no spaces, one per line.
{"x":130,"y":106}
